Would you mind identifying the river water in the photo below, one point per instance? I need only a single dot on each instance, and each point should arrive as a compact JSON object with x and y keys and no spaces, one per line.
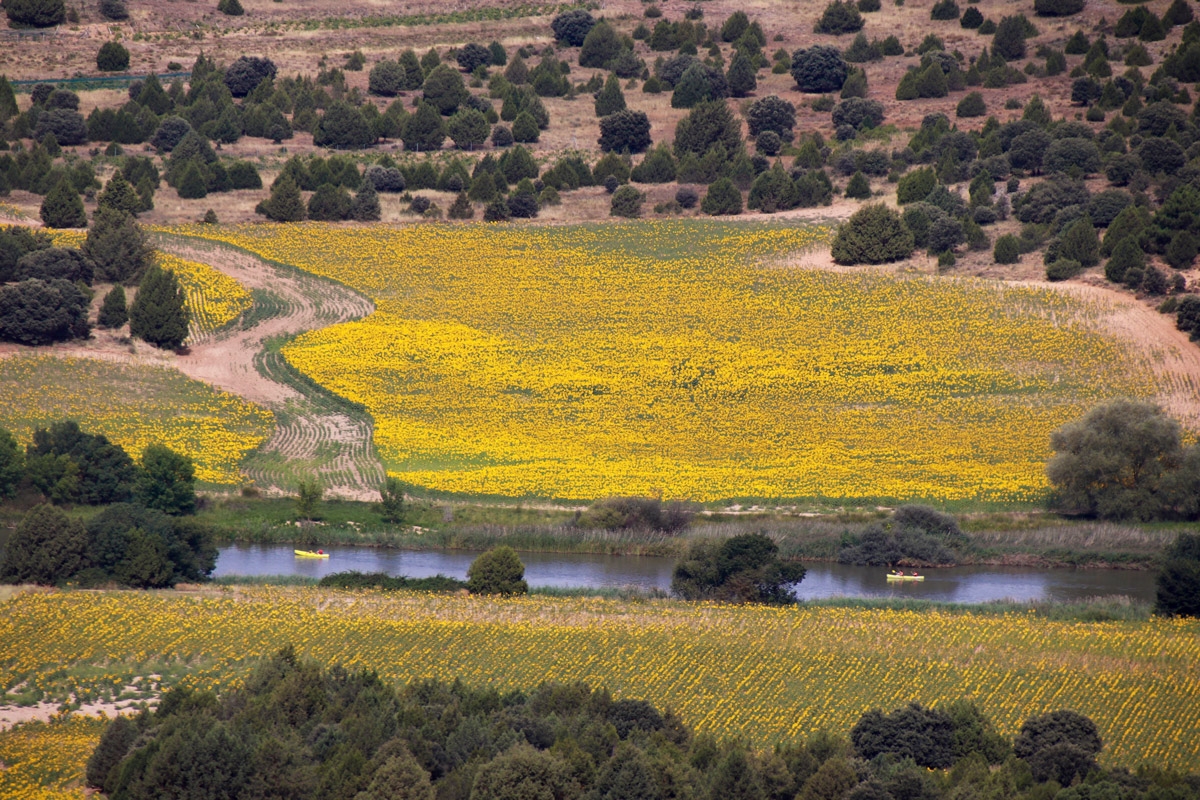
{"x":977,"y":584}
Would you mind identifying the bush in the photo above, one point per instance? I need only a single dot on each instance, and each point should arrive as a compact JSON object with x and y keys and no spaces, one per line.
{"x":839,"y":18}
{"x":971,"y":18}
{"x":1007,"y":250}
{"x":572,"y":27}
{"x":1009,"y":41}
{"x":113,"y":311}
{"x":1063,"y":269}
{"x":472,"y":56}
{"x":819,"y":69}
{"x":858,"y":113}
{"x":47,"y":547}
{"x":916,"y":185}
{"x":35,"y":13}
{"x":1182,"y":250}
{"x":944,"y":10}
{"x":686,"y":197}
{"x":858,"y":188}
{"x":67,"y":126}
{"x":626,"y":202}
{"x":1057,"y":8}
{"x":232,"y":8}
{"x":600,"y":47}
{"x":497,"y":571}
{"x":742,"y":569}
{"x":112,"y":57}
{"x":1161,"y":155}
{"x":245,"y":74}
{"x":114,"y":10}
{"x":36,"y":312}
{"x":66,"y":264}
{"x":972,"y":105}
{"x":1060,"y":738}
{"x":62,"y":208}
{"x":722,"y":198}
{"x":625,"y":132}
{"x":924,"y":735}
{"x":873,"y":235}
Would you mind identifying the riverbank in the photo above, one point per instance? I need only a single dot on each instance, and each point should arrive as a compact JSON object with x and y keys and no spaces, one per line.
{"x":1033,"y":539}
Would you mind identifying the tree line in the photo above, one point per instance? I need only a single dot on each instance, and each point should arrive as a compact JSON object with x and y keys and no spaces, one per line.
{"x":296,"y":730}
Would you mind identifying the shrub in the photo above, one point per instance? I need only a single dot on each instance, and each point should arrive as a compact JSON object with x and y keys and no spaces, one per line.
{"x":1007,"y":250}
{"x":1057,"y":8}
{"x":873,"y":235}
{"x":114,"y":312}
{"x":35,"y":13}
{"x":36,"y":312}
{"x":1182,"y":250}
{"x":625,"y":131}
{"x":66,"y":264}
{"x":497,"y":571}
{"x":114,"y":10}
{"x":706,"y":126}
{"x":858,"y":113}
{"x":112,"y":57}
{"x":722,"y":198}
{"x":472,"y":56}
{"x":686,"y":197}
{"x":858,"y":188}
{"x":916,"y":185}
{"x":600,"y":47}
{"x":924,"y":735}
{"x":1160,"y":154}
{"x":771,"y":113}
{"x":329,"y":203}
{"x":626,"y":202}
{"x":971,"y":18}
{"x":1072,"y":154}
{"x":741,"y":569}
{"x":387,"y":78}
{"x":1063,"y":269}
{"x":819,"y":69}
{"x":944,"y":10}
{"x":232,"y":8}
{"x":972,"y":105}
{"x":610,"y":99}
{"x":1009,"y":41}
{"x":67,"y":126}
{"x":245,"y":74}
{"x":572,"y":27}
{"x":62,"y":208}
{"x":244,"y":175}
{"x":839,"y":18}
{"x":47,"y":547}
{"x":285,"y":203}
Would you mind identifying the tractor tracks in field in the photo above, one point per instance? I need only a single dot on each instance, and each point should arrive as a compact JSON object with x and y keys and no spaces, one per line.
{"x":317,"y":434}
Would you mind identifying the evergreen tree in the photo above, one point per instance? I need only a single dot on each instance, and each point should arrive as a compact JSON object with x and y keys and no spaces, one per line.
{"x":1080,"y":243}
{"x":610,"y":99}
{"x":365,"y":207}
{"x":8,"y":100}
{"x":461,"y":207}
{"x":62,"y":208}
{"x":1126,"y":256}
{"x":722,"y":198}
{"x":119,"y":194}
{"x":858,"y":188}
{"x":159,"y":314}
{"x":285,"y":203}
{"x":525,"y":128}
{"x":741,"y":77}
{"x":873,"y":235}
{"x":113,"y":311}
{"x":424,"y":130}
{"x":47,"y":547}
{"x":117,"y":246}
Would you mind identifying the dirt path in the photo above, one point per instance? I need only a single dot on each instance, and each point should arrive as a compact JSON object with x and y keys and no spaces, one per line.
{"x":315,"y":433}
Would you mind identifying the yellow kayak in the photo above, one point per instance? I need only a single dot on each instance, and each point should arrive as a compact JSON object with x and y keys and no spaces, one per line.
{"x":892,"y":577}
{"x":310,"y":554}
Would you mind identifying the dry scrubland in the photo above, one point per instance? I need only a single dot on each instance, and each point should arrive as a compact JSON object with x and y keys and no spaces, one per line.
{"x":589,"y":361}
{"x":762,"y":674}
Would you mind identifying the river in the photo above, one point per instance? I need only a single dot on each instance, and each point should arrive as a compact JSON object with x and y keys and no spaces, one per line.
{"x":975,"y":584}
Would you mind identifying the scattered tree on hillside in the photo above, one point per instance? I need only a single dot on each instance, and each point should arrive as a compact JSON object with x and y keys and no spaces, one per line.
{"x":159,"y":314}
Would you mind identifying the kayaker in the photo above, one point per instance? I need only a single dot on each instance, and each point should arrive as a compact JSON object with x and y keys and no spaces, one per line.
{"x":320,"y":552}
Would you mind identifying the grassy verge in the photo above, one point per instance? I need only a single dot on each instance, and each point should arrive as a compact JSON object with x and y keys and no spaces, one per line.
{"x":1017,"y":539}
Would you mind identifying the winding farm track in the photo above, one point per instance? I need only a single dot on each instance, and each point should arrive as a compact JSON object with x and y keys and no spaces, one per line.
{"x":315,"y":435}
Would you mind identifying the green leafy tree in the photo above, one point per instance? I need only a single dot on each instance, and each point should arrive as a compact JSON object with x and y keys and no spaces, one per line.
{"x":424,"y":130}
{"x":62,"y":208}
{"x":1127,"y":257}
{"x":819,"y":69}
{"x":113,"y":310}
{"x":744,"y":569}
{"x":343,"y":127}
{"x":401,"y":777}
{"x":47,"y":547}
{"x":159,"y":314}
{"x":192,"y":183}
{"x":1111,"y":463}
{"x":330,"y":203}
{"x":522,"y":773}
{"x":706,"y":126}
{"x":166,"y":481}
{"x":391,"y":500}
{"x":497,"y":571}
{"x":873,"y":235}
{"x":146,"y":564}
{"x":1058,"y":746}
{"x":926,"y":735}
{"x":1007,"y":250}
{"x":916,"y":185}
{"x":525,"y":128}
{"x":1178,"y":583}
{"x":308,"y":499}
{"x":117,"y":246}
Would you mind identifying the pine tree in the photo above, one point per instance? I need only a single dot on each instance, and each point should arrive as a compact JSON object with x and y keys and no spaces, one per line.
{"x":285,"y":203}
{"x":611,"y":99}
{"x":8,"y":100}
{"x":119,"y":194}
{"x":1080,"y":243}
{"x":62,"y":207}
{"x":424,"y":130}
{"x":741,"y":77}
{"x":113,"y":311}
{"x":116,"y":245}
{"x":192,"y":184}
{"x":159,"y":313}
{"x":365,"y":207}
{"x":461,"y":208}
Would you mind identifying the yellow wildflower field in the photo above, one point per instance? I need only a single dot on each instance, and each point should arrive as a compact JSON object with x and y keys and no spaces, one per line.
{"x":679,"y":358}
{"x":134,"y":405}
{"x":759,"y":673}
{"x":45,"y":761}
